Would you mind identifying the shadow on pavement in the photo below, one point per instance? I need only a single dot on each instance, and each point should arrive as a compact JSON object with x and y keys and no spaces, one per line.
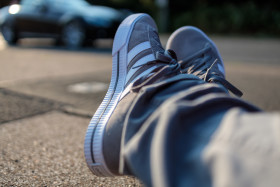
{"x":103,"y":46}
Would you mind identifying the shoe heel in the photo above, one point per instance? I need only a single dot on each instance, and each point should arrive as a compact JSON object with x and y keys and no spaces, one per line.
{"x":123,"y":33}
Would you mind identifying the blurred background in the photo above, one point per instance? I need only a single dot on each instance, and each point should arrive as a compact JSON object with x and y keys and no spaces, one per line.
{"x":246,"y":17}
{"x":242,"y":17}
{"x":55,"y":68}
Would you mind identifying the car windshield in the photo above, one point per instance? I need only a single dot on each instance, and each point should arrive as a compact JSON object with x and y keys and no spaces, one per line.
{"x":77,"y":2}
{"x":61,"y":3}
{"x":68,"y":4}
{"x":71,"y":3}
{"x":31,"y":2}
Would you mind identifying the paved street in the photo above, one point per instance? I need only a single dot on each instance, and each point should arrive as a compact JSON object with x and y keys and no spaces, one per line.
{"x":48,"y":94}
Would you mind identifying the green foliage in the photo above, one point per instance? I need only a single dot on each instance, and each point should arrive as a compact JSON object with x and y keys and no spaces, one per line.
{"x":245,"y":18}
{"x":248,"y":17}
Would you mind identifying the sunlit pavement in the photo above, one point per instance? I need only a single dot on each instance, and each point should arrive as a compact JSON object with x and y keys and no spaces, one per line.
{"x":48,"y":95}
{"x":2,"y":43}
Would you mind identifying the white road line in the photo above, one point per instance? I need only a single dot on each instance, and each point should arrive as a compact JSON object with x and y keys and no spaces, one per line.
{"x":87,"y":87}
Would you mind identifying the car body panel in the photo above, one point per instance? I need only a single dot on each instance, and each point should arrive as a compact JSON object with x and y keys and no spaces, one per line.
{"x":47,"y":18}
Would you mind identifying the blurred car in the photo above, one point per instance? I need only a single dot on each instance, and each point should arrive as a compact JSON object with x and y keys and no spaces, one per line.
{"x":73,"y":22}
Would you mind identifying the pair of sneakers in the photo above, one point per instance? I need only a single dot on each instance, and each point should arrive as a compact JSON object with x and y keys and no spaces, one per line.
{"x":138,"y":59}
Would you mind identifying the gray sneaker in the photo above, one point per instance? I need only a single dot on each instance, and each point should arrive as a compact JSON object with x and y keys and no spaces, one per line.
{"x":138,"y":57}
{"x":198,"y":55}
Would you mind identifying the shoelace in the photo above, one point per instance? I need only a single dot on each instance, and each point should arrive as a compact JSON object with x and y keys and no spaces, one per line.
{"x":198,"y":64}
{"x":167,"y":65}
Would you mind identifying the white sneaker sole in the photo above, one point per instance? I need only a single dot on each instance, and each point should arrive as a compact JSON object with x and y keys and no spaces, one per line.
{"x":93,"y":145}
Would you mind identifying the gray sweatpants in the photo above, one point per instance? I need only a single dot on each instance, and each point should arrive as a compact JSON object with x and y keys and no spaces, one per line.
{"x":186,"y":132}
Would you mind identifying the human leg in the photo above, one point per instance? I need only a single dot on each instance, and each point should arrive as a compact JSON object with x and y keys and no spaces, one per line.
{"x":163,"y":139}
{"x":200,"y":136}
{"x":163,"y":110}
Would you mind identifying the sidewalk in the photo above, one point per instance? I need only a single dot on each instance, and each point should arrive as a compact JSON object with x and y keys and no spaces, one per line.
{"x":42,"y":123}
{"x":47,"y":150}
{"x":45,"y":146}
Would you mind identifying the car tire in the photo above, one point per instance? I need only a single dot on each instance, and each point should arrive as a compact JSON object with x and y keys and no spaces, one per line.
{"x":73,"y":35}
{"x":9,"y":34}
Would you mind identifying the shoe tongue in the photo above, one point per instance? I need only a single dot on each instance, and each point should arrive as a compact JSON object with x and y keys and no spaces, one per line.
{"x":171,"y":53}
{"x":166,"y":53}
{"x":155,"y":41}
{"x":166,"y":57}
{"x":219,"y":64}
{"x":163,"y":56}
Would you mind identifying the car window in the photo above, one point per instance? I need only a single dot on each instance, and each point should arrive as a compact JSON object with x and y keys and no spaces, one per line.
{"x":67,"y":4}
{"x":31,"y":2}
{"x":78,"y":3}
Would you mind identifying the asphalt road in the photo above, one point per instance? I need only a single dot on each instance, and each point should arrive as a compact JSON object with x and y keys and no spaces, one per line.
{"x":48,"y":94}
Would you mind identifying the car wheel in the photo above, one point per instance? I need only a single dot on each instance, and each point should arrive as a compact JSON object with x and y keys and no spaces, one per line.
{"x":73,"y":35}
{"x":9,"y":34}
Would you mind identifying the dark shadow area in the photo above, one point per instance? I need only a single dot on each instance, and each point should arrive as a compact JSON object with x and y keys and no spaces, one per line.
{"x":103,"y":46}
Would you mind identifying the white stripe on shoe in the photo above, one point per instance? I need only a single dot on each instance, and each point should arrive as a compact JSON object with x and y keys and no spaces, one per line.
{"x":137,"y":49}
{"x":128,"y":87}
{"x":140,"y":62}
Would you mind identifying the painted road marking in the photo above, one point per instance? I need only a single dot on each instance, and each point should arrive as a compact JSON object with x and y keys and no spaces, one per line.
{"x":87,"y":87}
